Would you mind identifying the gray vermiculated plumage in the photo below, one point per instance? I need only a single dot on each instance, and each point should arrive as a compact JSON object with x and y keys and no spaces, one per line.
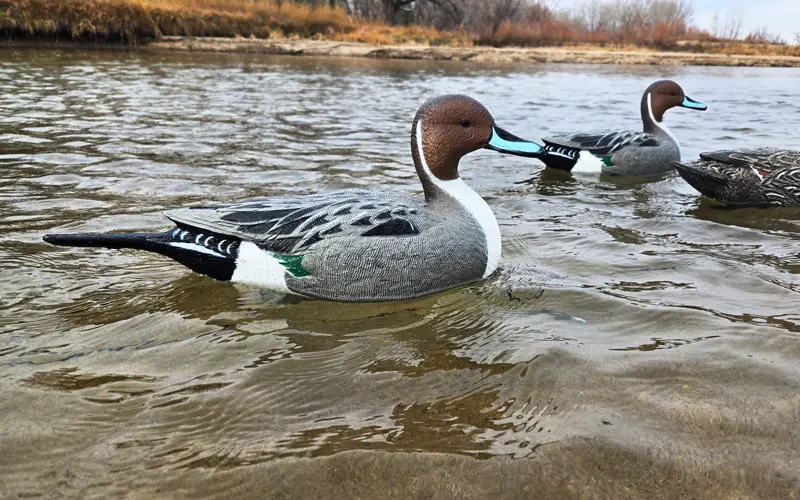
{"x":761,"y":177}
{"x":379,"y":245}
{"x":608,"y":142}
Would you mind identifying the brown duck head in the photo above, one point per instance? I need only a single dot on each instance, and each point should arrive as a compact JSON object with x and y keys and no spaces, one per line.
{"x":450,"y":126}
{"x":661,"y":96}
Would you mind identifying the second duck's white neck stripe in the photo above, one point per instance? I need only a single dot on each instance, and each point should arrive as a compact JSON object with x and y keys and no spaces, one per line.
{"x":658,"y":123}
{"x":473,"y":203}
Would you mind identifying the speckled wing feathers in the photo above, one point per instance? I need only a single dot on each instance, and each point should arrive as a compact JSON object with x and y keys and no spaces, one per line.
{"x":783,"y":187}
{"x":761,"y":176}
{"x":288,"y":225}
{"x":764,"y":159}
{"x":780,"y":170}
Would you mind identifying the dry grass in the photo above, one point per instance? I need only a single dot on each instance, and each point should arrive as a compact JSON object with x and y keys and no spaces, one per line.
{"x":538,"y":34}
{"x":132,"y":21}
{"x":381,"y":34}
{"x":136,"y":20}
{"x":735,"y":47}
{"x":551,"y":32}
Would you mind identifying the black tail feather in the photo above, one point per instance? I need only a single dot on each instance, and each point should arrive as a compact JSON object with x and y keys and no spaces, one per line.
{"x":137,"y":241}
{"x":219,"y":267}
{"x":559,"y":157}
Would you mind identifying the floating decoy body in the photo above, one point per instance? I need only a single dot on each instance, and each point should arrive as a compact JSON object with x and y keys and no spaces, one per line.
{"x":353,"y":245}
{"x":647,"y":153}
{"x":761,"y":177}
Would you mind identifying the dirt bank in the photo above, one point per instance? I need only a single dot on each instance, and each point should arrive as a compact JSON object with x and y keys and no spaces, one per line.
{"x":477,"y":54}
{"x":305,"y":47}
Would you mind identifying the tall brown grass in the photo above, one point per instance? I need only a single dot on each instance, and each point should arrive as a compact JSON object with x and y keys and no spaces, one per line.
{"x":130,"y":20}
{"x":739,"y":48}
{"x":545,"y":29}
{"x":136,"y":20}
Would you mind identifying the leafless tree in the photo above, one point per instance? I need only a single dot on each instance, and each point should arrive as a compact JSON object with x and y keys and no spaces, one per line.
{"x":632,"y":14}
{"x":392,"y":8}
{"x":591,"y":14}
{"x":676,"y":13}
{"x":503,"y":10}
{"x":609,"y":16}
{"x":442,"y":14}
{"x":729,"y":27}
{"x":762,"y":35}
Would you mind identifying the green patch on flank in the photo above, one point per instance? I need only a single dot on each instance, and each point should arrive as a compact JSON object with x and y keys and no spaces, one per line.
{"x":293,"y":265}
{"x":606,"y":160}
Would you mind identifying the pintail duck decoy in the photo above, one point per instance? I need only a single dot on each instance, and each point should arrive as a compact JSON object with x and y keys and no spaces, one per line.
{"x":353,"y":245}
{"x":761,"y":177}
{"x":647,"y":153}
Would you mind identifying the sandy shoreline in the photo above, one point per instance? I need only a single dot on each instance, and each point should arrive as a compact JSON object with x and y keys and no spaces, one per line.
{"x":474,"y":54}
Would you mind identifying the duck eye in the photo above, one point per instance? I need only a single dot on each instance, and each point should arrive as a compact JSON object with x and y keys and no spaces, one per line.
{"x":465,"y":123}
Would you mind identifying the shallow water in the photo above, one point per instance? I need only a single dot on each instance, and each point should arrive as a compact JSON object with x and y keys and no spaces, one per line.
{"x":638,"y":342}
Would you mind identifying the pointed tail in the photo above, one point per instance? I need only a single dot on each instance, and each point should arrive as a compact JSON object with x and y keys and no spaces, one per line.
{"x":181,"y":245}
{"x":137,"y":241}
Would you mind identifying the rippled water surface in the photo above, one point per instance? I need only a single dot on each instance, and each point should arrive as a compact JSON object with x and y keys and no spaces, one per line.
{"x":638,"y":342}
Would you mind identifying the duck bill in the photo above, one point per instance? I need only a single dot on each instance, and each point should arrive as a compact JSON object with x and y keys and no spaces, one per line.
{"x":506,"y":142}
{"x":690,"y":103}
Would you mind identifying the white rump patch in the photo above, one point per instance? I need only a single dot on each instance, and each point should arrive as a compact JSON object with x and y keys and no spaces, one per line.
{"x":256,"y":267}
{"x":475,"y":206}
{"x":588,"y":164}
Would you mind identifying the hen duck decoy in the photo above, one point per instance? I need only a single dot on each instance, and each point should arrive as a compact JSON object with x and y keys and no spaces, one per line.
{"x":761,"y":177}
{"x":354,"y":245}
{"x":647,"y":153}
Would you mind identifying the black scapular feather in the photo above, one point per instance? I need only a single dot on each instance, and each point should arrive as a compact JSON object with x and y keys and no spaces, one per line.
{"x":393,"y":227}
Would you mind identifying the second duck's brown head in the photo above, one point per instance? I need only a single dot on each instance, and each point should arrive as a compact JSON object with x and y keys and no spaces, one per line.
{"x":663,"y":95}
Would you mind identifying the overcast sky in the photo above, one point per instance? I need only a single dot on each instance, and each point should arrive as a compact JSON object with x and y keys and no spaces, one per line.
{"x":778,"y":16}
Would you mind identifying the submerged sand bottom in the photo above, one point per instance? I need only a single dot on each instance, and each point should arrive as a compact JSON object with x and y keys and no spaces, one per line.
{"x":583,"y":469}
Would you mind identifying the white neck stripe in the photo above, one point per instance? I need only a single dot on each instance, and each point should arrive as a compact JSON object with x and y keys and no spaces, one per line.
{"x":658,"y":124}
{"x":474,"y":205}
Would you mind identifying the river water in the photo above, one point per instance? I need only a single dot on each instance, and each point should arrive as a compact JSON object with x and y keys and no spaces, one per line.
{"x":639,"y":341}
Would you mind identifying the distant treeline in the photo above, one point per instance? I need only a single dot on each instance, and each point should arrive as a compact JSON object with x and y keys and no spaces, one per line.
{"x":530,"y":23}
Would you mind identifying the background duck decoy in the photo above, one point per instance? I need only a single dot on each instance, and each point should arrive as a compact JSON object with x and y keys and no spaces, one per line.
{"x":762,"y":177}
{"x":356,"y":244}
{"x":647,"y":153}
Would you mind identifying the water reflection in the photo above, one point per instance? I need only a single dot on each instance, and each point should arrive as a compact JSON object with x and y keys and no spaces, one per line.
{"x":781,"y":220}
